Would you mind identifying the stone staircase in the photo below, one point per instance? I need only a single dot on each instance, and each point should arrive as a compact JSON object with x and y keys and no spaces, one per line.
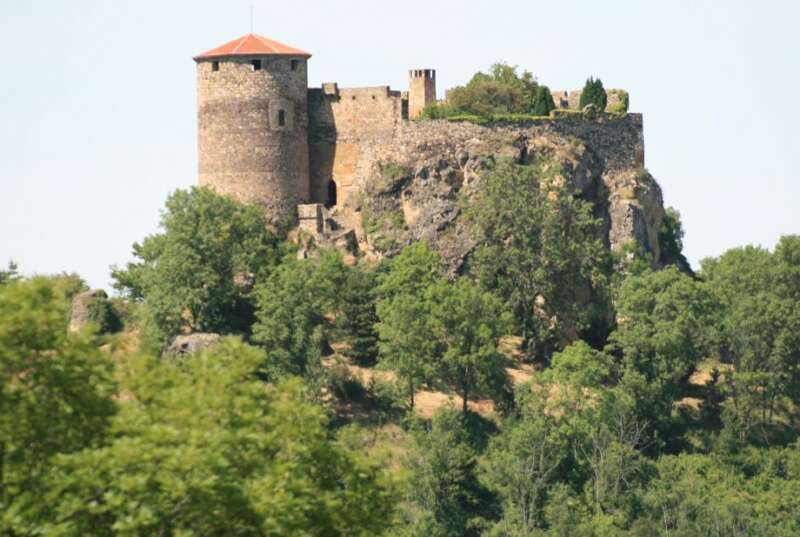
{"x":327,"y":228}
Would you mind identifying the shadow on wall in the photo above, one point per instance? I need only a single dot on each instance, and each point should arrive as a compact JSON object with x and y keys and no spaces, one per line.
{"x":322,"y":147}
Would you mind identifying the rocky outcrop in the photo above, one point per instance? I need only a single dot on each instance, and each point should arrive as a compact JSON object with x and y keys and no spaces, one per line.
{"x":84,"y":307}
{"x":190,"y":343}
{"x":419,"y":191}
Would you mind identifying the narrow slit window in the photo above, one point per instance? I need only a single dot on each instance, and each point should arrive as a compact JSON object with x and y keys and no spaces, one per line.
{"x":215,"y":66}
{"x":294,"y":65}
{"x":256,"y":65}
{"x":281,"y":118}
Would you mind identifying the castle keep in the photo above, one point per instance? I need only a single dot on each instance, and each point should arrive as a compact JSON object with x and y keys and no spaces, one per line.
{"x":265,"y":137}
{"x":318,"y":154}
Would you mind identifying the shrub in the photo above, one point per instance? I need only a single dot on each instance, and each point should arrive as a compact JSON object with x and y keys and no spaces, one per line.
{"x":621,"y":106}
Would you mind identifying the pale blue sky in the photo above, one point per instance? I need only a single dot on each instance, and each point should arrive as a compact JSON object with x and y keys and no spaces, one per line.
{"x":97,"y":101}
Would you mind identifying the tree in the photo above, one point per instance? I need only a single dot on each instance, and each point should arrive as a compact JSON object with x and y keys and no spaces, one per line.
{"x":411,"y":272}
{"x":446,"y":496}
{"x":55,"y":395}
{"x":697,"y":494}
{"x":198,"y":273}
{"x":292,"y":305}
{"x":593,"y":93}
{"x":468,"y":323}
{"x":9,"y":274}
{"x":501,"y":91}
{"x":357,"y":319}
{"x":543,"y":102}
{"x":407,"y":344}
{"x":662,"y":333}
{"x":202,"y":448}
{"x":670,"y":240}
{"x":523,"y":462}
{"x":540,"y":251}
{"x":759,"y":331}
{"x":582,"y":366}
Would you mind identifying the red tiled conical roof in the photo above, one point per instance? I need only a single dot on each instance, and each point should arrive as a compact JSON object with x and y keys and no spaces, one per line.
{"x":253,"y":45}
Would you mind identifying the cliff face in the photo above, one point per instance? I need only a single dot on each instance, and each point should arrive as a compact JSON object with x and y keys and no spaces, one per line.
{"x":417,"y":188}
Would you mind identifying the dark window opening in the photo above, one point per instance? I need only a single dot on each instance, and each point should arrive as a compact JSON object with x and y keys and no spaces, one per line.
{"x":331,"y":194}
{"x":215,"y":66}
{"x":256,"y":65}
{"x":294,"y":64}
{"x":281,"y":118}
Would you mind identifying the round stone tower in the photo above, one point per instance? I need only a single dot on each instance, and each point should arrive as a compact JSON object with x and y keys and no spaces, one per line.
{"x":252,"y":123}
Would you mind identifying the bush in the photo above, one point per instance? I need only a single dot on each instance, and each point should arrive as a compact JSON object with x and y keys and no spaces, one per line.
{"x":623,"y":102}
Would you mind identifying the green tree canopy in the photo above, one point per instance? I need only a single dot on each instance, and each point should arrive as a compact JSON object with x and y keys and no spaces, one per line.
{"x":446,"y":497}
{"x":198,"y":273}
{"x":663,"y":331}
{"x":411,"y":272}
{"x":594,"y":93}
{"x":408,"y":345}
{"x":10,"y":273}
{"x":500,"y":91}
{"x":540,"y":251}
{"x":355,"y":323}
{"x":202,"y":447}
{"x":55,"y":395}
{"x":292,"y":305}
{"x":543,"y":102}
{"x":759,"y":331}
{"x":468,"y":323}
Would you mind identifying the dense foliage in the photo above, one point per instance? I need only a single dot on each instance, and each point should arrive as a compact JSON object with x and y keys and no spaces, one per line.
{"x":500,"y":92}
{"x":198,"y":274}
{"x":593,"y":93}
{"x":576,"y":393}
{"x":540,"y":251}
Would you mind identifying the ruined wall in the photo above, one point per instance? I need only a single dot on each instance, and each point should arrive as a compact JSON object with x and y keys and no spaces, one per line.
{"x":571,"y":100}
{"x":253,"y":130}
{"x":619,"y":143}
{"x":349,"y":130}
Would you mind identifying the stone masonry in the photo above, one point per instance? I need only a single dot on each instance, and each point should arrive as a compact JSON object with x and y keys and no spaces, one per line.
{"x":310,"y":154}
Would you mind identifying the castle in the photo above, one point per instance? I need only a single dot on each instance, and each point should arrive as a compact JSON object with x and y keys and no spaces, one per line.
{"x":265,"y":137}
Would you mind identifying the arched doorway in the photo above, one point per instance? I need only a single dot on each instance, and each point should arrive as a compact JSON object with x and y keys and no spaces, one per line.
{"x":331,"y":196}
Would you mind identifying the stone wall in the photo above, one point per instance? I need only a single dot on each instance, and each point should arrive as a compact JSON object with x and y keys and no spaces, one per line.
{"x":349,"y":130}
{"x":253,"y":130}
{"x":571,"y":100}
{"x":619,"y":143}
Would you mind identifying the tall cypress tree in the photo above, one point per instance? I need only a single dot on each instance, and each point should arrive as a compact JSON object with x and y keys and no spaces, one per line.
{"x":594,"y":93}
{"x":358,"y":317}
{"x":543,"y":102}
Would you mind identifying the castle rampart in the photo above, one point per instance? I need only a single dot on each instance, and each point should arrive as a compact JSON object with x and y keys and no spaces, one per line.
{"x":265,"y":137}
{"x":345,"y":125}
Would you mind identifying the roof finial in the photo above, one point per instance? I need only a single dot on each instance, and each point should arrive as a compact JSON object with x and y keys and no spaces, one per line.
{"x":252,"y":16}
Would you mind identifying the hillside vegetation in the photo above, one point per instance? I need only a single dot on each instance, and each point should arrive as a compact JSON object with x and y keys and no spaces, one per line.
{"x":551,"y":386}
